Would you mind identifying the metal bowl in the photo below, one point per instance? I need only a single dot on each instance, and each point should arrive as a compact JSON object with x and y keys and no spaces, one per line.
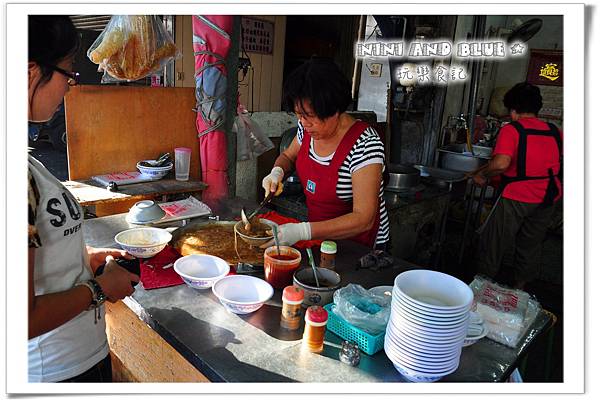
{"x":403,"y":177}
{"x":254,"y":241}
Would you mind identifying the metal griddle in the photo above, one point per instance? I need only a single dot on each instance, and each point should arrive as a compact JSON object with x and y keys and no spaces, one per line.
{"x":199,"y":225}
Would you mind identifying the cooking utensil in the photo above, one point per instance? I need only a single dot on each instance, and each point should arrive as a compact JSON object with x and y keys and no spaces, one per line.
{"x":244,"y":217}
{"x":267,"y":199}
{"x":403,"y":177}
{"x":312,"y":264}
{"x":276,"y":239}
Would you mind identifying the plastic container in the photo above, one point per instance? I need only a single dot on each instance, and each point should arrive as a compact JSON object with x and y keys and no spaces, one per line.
{"x":280,"y":268}
{"x":291,"y":311}
{"x":367,"y":343}
{"x":314,"y":328}
{"x":328,"y":253}
{"x":182,"y":163}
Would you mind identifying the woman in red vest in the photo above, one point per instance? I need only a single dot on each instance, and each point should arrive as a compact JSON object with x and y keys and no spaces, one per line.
{"x":339,"y":161}
{"x":528,"y":157}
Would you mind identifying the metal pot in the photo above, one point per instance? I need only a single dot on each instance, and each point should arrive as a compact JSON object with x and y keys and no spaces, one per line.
{"x":403,"y":177}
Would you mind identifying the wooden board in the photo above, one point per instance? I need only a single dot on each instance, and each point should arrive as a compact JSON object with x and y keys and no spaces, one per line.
{"x":111,"y":128}
{"x":139,"y":354}
{"x":89,"y":193}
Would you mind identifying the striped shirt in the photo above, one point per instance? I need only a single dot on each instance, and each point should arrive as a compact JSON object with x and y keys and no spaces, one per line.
{"x":367,"y":150}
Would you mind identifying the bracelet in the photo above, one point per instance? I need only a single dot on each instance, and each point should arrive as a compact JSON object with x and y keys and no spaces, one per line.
{"x":98,"y":297}
{"x":89,"y":286}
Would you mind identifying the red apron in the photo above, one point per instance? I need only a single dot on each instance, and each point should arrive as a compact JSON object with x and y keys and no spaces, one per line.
{"x":319,"y":183}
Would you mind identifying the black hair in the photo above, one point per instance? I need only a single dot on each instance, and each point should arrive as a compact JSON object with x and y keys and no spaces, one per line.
{"x":52,"y":38}
{"x":523,"y":98}
{"x":322,"y":83}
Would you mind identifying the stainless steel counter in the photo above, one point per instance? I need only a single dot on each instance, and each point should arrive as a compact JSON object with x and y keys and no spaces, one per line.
{"x":253,"y":348}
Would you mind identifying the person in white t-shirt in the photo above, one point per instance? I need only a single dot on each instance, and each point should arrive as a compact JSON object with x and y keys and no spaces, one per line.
{"x":67,"y":339}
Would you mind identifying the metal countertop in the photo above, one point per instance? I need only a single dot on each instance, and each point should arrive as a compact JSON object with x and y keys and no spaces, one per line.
{"x":253,"y":348}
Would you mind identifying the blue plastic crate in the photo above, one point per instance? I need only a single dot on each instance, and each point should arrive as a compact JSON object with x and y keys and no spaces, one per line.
{"x":367,"y":343}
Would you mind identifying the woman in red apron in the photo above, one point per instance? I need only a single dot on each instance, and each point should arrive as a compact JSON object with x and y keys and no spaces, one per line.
{"x":339,"y":161}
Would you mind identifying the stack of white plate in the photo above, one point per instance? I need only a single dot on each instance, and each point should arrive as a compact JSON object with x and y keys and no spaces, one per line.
{"x":428,"y":324}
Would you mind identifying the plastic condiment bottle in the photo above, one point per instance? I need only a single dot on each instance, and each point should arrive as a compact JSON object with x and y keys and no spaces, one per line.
{"x":314,"y":328}
{"x":328,"y":252}
{"x":291,"y":312}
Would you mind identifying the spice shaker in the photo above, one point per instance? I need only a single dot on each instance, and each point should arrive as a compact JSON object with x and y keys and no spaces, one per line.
{"x":314,"y":328}
{"x":328,"y":252}
{"x":291,"y":312}
{"x":350,"y":353}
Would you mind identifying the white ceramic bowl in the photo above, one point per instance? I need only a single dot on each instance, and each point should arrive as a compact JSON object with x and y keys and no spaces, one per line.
{"x":418,"y":333}
{"x":432,"y":367}
{"x":144,"y":212}
{"x":434,"y":290}
{"x":242,"y":294}
{"x":417,"y":376}
{"x":154,"y":172}
{"x":143,"y":242}
{"x":429,"y":313}
{"x":426,"y":353}
{"x":416,"y":317}
{"x":201,"y":271}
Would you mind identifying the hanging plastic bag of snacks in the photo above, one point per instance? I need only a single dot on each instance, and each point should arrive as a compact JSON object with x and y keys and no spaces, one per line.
{"x":132,"y":47}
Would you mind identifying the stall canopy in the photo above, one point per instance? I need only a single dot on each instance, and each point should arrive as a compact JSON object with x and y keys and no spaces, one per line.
{"x":211,"y":42}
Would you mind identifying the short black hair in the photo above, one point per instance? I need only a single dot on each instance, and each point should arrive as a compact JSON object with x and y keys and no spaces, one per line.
{"x":523,"y":98}
{"x":322,"y":83}
{"x":52,"y":38}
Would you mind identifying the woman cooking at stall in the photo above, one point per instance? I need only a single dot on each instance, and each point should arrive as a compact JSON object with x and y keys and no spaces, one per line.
{"x":339,"y":161}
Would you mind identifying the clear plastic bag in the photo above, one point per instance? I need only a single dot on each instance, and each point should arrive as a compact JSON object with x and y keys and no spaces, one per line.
{"x":132,"y":47}
{"x":251,"y":141}
{"x":367,"y":311}
{"x":507,"y":312}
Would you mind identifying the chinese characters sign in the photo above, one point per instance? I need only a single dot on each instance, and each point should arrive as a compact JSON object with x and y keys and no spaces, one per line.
{"x":545,"y":68}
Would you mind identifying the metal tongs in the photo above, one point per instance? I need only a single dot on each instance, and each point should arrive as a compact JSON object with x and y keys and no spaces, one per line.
{"x":246,"y":217}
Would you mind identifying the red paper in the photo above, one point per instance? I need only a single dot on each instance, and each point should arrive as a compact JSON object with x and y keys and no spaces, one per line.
{"x":279,"y":219}
{"x":157,"y":277}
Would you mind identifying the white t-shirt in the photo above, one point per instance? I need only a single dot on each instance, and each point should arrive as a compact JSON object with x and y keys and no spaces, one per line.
{"x":61,"y":262}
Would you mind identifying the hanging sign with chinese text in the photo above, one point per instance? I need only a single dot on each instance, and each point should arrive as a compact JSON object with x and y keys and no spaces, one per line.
{"x":545,"y":67}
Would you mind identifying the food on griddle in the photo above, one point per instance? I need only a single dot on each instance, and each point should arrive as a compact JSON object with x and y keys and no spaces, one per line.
{"x":217,"y":240}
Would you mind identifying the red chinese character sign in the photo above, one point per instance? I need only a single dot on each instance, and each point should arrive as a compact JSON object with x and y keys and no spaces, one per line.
{"x":545,"y":67}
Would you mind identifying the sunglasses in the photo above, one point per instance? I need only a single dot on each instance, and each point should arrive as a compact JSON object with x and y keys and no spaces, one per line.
{"x":73,"y":77}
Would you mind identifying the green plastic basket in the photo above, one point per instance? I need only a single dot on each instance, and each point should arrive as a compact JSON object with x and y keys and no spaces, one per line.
{"x":367,"y":343}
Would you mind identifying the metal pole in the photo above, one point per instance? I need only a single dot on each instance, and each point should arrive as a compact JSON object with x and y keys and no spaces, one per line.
{"x":475,"y":78}
{"x":467,"y":222}
{"x":357,"y":61}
